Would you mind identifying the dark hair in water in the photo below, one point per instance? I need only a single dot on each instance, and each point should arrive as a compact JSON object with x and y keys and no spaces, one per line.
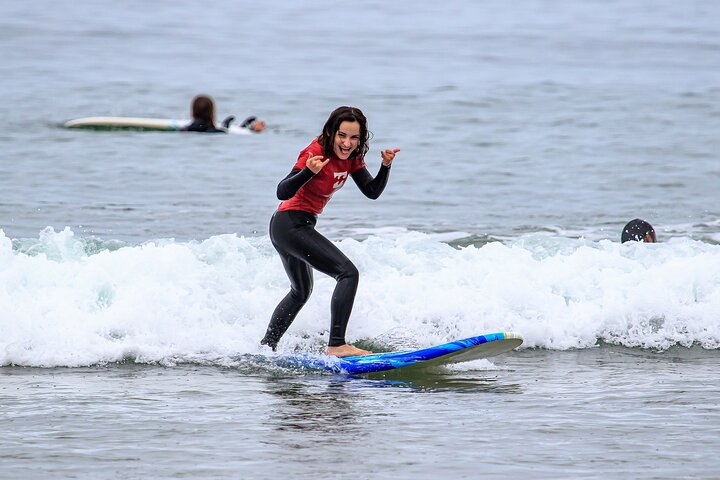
{"x":203,"y":109}
{"x":339,"y":115}
{"x":636,"y":230}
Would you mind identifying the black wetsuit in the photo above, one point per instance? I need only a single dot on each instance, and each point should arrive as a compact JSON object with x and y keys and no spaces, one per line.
{"x":302,"y":248}
{"x":202,"y":126}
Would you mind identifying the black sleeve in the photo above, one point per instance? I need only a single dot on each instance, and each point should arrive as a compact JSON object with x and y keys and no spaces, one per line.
{"x":198,"y":126}
{"x":289,"y":185}
{"x":369,"y":186}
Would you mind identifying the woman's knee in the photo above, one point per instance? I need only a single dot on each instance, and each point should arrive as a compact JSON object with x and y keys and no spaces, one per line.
{"x":349,"y":271}
{"x":301,"y":293}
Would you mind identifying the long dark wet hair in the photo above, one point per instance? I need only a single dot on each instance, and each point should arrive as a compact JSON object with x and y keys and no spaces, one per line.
{"x":339,"y":115}
{"x":203,"y":109}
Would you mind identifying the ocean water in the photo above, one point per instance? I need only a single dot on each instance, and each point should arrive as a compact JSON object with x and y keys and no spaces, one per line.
{"x":137,"y":277}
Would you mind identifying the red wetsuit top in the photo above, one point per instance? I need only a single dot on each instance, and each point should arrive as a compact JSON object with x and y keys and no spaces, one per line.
{"x":316,"y":191}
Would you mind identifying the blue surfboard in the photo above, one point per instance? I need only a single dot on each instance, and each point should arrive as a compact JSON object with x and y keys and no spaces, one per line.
{"x":473,"y":348}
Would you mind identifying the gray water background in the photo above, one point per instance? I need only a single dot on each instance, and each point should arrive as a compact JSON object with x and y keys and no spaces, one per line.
{"x":601,"y":413}
{"x":571,"y":117}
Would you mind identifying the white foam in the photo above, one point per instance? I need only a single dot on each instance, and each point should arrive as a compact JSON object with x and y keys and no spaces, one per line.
{"x":168,"y":301}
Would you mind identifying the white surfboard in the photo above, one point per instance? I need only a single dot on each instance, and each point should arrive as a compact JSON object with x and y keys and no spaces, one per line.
{"x":138,"y":123}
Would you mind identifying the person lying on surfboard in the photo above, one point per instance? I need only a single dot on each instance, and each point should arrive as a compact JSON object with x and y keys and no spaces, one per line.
{"x":639,"y":231}
{"x":321,"y":169}
{"x":203,"y":118}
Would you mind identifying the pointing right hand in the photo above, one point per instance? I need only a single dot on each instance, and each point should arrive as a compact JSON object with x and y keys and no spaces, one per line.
{"x":316,"y":163}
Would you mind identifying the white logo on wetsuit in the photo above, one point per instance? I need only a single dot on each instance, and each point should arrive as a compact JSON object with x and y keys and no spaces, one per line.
{"x":340,"y":177}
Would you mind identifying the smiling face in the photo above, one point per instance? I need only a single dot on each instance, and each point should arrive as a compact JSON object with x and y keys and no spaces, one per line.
{"x":346,"y":140}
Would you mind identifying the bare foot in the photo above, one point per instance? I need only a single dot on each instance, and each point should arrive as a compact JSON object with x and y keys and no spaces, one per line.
{"x":346,"y":351}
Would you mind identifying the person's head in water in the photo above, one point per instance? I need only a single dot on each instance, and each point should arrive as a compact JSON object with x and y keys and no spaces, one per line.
{"x":254,"y":124}
{"x":203,"y":109}
{"x":638,"y":231}
{"x":345,"y":134}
